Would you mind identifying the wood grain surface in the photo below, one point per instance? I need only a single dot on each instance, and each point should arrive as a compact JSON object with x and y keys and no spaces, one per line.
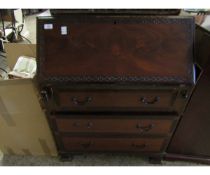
{"x":158,"y":48}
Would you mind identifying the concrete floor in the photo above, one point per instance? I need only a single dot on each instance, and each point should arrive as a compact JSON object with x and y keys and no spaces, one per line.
{"x":82,"y":160}
{"x":88,"y":160}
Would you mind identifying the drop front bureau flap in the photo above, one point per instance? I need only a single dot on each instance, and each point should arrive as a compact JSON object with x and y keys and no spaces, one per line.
{"x":91,"y":48}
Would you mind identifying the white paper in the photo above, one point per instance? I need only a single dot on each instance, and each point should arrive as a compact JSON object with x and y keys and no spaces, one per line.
{"x":25,"y":67}
{"x":48,"y":26}
{"x":64,"y":30}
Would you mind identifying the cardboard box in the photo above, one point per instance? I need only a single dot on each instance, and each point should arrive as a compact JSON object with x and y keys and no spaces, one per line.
{"x":23,"y":126}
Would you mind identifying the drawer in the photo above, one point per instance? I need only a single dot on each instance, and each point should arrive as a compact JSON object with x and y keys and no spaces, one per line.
{"x":113,"y":144}
{"x":114,"y":125}
{"x":116,"y":100}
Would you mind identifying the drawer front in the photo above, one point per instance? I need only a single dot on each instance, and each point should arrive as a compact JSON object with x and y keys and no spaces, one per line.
{"x":119,"y":125}
{"x":115,"y":100}
{"x":112,"y":144}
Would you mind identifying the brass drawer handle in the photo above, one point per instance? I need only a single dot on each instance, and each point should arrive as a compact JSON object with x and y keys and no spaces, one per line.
{"x":149,"y":102}
{"x":86,"y":145}
{"x":76,"y":124}
{"x":81,"y":102}
{"x":145,"y":128}
{"x":142,"y":146}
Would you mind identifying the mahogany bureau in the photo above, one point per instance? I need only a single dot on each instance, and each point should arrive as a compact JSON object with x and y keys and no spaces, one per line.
{"x":114,"y":82}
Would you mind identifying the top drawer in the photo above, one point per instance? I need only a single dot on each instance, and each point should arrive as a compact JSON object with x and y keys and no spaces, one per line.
{"x":117,"y":100}
{"x":115,"y":48}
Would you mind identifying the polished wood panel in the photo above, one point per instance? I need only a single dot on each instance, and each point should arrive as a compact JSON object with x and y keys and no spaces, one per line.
{"x":57,"y":12}
{"x":202,"y":45}
{"x":112,"y":144}
{"x":191,"y":140}
{"x":116,"y":99}
{"x":192,"y":135}
{"x":112,"y":125}
{"x":111,"y":46}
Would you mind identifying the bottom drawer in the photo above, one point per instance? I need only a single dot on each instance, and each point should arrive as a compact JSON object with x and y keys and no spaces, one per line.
{"x":113,"y":144}
{"x":116,"y":124}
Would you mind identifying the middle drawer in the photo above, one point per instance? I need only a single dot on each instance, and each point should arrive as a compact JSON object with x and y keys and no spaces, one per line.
{"x":117,"y":124}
